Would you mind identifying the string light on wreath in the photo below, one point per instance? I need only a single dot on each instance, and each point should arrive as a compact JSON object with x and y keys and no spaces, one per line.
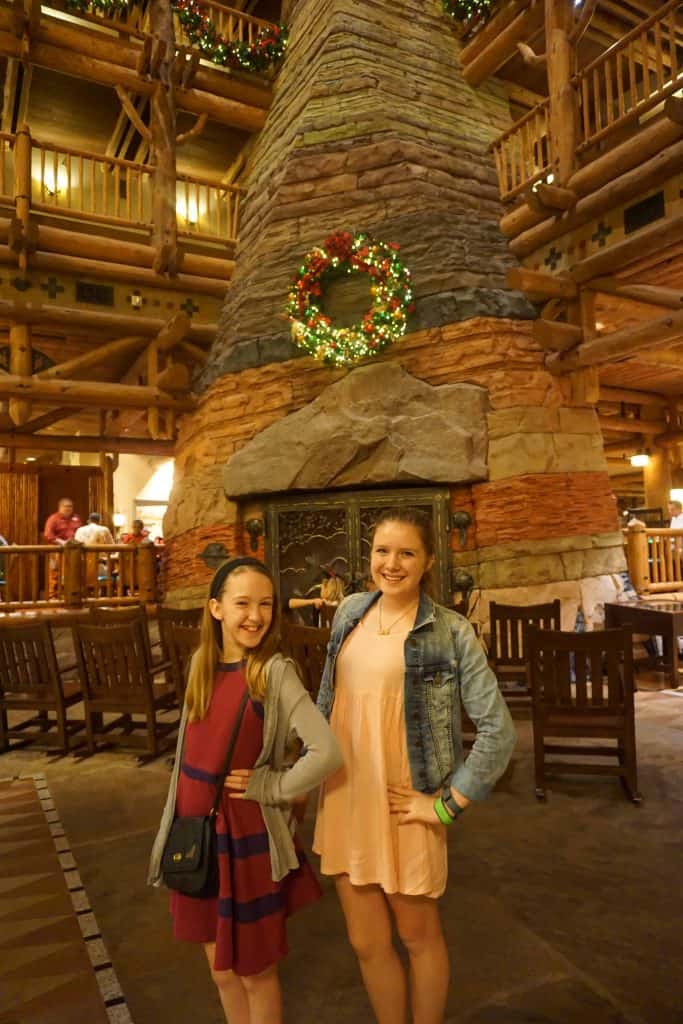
{"x":267,"y":48}
{"x":468,"y":10}
{"x":384,"y":323}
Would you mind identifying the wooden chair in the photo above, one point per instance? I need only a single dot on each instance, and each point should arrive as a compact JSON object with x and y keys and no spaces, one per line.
{"x":582,"y":689}
{"x":116,"y":677}
{"x":179,"y":638}
{"x":308,"y":647}
{"x":327,"y":613}
{"x":182,"y":642}
{"x":507,"y":656}
{"x":137,"y":615}
{"x":31,"y":680}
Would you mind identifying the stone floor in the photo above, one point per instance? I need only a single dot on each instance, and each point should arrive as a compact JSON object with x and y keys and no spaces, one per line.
{"x":556,"y":913}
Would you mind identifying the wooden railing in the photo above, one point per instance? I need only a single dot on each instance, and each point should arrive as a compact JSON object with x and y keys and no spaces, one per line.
{"x":207,"y":208}
{"x":632,"y":77}
{"x":234,"y":26}
{"x":655,"y":559}
{"x":522,"y":153}
{"x":35,"y":576}
{"x":95,"y":186}
{"x":108,"y":190}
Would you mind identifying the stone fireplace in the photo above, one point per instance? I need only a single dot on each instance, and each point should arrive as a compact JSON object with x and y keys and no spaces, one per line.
{"x":372,"y":128}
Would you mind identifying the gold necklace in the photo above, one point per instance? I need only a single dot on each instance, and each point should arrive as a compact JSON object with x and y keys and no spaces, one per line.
{"x":387,"y":631}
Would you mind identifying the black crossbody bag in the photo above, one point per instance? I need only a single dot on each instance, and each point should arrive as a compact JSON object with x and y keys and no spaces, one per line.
{"x":190,"y":860}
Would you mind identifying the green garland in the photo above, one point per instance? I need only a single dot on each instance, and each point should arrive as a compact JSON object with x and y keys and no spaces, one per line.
{"x":267,"y":48}
{"x":385,"y":321}
{"x":468,"y":10}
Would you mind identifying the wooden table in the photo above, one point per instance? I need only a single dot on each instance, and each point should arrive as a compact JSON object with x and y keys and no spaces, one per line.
{"x":654,"y":618}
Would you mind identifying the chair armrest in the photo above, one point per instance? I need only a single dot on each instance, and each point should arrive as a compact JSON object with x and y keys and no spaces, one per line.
{"x":160,"y":666}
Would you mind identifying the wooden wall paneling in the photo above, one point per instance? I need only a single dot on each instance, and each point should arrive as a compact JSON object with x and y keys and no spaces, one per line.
{"x":19,"y":504}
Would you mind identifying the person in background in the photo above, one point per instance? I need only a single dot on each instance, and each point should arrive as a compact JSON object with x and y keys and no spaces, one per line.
{"x":94,"y":532}
{"x":137,"y":534}
{"x":3,"y":543}
{"x":59,"y":528}
{"x":676,"y":514}
{"x":399,"y":667}
{"x":331,"y":594}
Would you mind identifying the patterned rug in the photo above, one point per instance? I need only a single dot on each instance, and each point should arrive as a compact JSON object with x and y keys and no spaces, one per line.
{"x":54,"y":968}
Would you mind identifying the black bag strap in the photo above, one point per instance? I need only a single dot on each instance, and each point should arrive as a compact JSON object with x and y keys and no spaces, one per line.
{"x":231,"y":748}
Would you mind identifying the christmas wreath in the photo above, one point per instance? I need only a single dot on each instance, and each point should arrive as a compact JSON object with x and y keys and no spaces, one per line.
{"x":267,"y":48}
{"x":385,"y":321}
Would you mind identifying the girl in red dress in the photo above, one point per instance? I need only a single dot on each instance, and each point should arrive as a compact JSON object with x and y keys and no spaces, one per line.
{"x":264,"y":875}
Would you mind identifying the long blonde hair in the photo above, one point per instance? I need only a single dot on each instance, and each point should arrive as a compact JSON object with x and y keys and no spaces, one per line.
{"x":210,"y":650}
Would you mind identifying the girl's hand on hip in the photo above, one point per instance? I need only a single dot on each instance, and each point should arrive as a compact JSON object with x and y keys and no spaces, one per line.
{"x":237,"y":782}
{"x":411,"y":805}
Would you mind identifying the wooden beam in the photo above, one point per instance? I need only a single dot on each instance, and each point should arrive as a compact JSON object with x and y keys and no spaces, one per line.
{"x":119,"y":272}
{"x":648,"y":142}
{"x":501,"y":46}
{"x":91,"y":394}
{"x":124,"y":324}
{"x":626,"y":187}
{"x":619,"y":345}
{"x":77,"y":443}
{"x":20,"y":363}
{"x":174,"y":331}
{"x":556,"y":336}
{"x":491,"y":30}
{"x":46,"y":420}
{"x":629,"y":396}
{"x":555,"y":197}
{"x":641,"y":243}
{"x":95,"y":356}
{"x":522,"y":97}
{"x":199,"y":355}
{"x":132,"y":113}
{"x":623,"y":425}
{"x":671,"y":437}
{"x":9,"y":94}
{"x":655,"y":295}
{"x":538,"y":285}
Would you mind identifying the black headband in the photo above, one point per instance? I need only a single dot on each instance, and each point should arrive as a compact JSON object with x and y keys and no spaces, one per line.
{"x":226,"y":568}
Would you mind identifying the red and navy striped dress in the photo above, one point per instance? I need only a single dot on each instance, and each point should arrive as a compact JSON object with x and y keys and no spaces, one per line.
{"x":247,"y":920}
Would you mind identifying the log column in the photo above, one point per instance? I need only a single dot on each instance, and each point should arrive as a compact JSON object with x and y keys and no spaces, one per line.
{"x":561,"y":64}
{"x":163,"y":131}
{"x":21,"y":364}
{"x":658,"y":480}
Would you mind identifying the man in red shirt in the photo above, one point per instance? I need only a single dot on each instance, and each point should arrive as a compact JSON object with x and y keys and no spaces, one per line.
{"x":59,"y":528}
{"x":138,"y":534}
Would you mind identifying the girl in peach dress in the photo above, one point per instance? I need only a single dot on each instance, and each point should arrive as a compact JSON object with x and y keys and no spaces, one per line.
{"x":397,"y":669}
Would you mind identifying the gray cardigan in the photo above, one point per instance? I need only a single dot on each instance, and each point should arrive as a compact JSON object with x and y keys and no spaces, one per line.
{"x":288,"y":712}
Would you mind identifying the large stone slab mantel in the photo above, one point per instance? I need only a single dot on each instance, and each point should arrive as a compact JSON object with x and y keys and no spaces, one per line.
{"x":378,"y":425}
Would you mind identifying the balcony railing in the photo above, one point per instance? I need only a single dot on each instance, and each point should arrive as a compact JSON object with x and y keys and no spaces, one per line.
{"x":206,"y":209}
{"x":655,"y":559}
{"x":35,"y":576}
{"x":234,"y":26}
{"x":111,"y":191}
{"x":631,"y":78}
{"x":97,"y":187}
{"x":522,"y":153}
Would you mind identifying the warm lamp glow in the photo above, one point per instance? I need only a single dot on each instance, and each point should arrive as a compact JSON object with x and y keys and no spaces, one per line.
{"x":118,"y":519}
{"x":676,"y":494}
{"x":640,"y":459}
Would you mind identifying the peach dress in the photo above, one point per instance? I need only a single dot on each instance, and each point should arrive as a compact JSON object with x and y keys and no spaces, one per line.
{"x":355,"y":832}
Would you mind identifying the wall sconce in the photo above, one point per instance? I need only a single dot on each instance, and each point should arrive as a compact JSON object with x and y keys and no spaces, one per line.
{"x":254,"y":528}
{"x":461,"y":521}
{"x":214,"y":554}
{"x":119,"y":520}
{"x":640,"y":459}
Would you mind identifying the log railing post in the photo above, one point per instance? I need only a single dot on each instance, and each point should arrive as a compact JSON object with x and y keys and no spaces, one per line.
{"x":636,"y":557}
{"x":147,"y":576}
{"x":73,"y":575}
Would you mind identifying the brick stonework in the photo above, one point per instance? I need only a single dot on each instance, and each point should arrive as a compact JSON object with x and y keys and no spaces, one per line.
{"x":542,"y":506}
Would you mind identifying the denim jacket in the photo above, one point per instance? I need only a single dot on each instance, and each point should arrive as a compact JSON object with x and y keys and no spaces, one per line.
{"x":444,"y":666}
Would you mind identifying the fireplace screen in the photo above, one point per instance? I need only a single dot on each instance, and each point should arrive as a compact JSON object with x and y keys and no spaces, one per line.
{"x":307,"y":533}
